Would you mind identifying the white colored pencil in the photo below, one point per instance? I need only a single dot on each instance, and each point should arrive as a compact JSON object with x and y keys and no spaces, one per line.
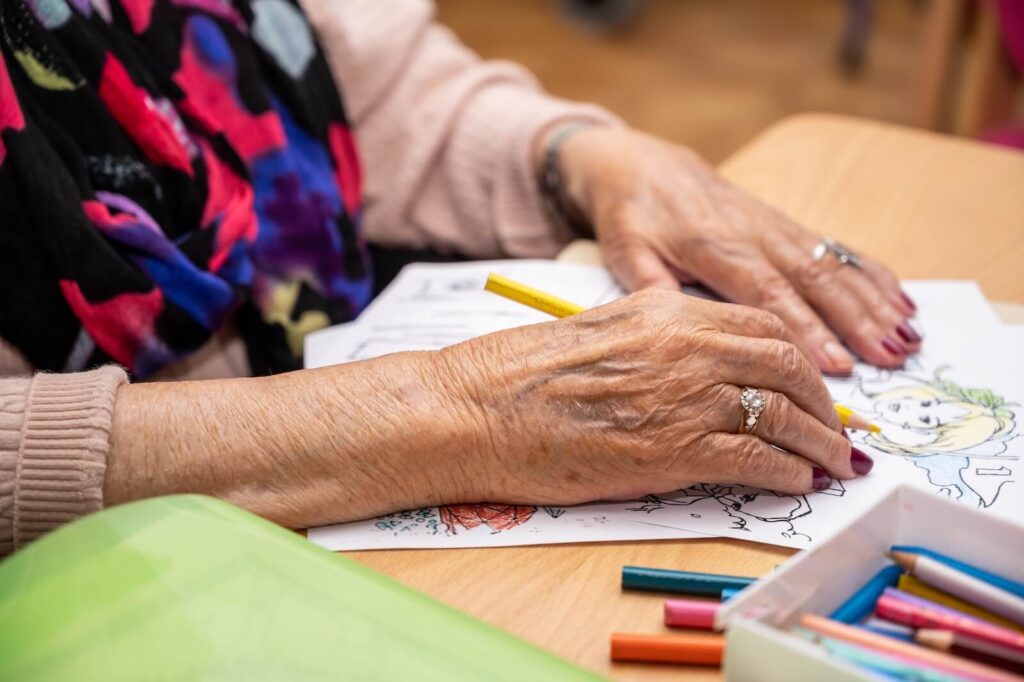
{"x":959,"y":584}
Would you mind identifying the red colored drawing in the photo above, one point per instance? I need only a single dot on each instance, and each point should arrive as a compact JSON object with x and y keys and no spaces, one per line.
{"x":497,"y":517}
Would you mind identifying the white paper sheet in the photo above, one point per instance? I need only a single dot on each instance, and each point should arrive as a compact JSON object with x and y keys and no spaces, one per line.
{"x":431,"y":306}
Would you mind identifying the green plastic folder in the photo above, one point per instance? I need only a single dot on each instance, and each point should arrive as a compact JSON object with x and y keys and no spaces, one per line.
{"x":189,"y":587}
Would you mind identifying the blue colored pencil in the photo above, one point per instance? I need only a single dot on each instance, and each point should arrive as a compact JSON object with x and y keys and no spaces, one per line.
{"x":730,"y":592}
{"x":979,"y":573}
{"x":862,"y":602}
{"x":680,"y":582}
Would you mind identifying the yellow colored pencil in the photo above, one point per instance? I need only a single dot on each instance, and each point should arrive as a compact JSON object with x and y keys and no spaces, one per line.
{"x":528,"y":296}
{"x":909,"y":583}
{"x":850,"y":418}
{"x":557,"y":307}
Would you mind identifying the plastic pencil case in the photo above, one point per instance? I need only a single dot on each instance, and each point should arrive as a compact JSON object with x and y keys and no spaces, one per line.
{"x":818,"y":580}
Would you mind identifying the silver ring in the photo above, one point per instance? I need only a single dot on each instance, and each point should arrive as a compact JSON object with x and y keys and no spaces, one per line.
{"x":752,"y":402}
{"x":843,"y":254}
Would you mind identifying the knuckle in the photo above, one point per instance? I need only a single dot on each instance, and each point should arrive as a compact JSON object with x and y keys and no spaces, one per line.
{"x":752,"y":461}
{"x":655,"y":299}
{"x":774,"y":290}
{"x":788,"y":359}
{"x":811,"y":274}
{"x":837,"y":452}
{"x":778,"y":410}
{"x":724,"y":399}
{"x":655,"y":325}
{"x":764,"y":321}
{"x":774,"y":325}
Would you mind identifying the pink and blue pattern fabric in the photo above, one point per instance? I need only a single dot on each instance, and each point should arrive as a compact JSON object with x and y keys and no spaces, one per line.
{"x":168,"y":166}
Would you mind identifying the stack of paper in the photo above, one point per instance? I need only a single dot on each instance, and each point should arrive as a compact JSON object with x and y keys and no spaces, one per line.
{"x":950,"y":419}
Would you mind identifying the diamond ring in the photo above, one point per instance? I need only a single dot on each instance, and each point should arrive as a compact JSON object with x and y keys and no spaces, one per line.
{"x":752,"y":401}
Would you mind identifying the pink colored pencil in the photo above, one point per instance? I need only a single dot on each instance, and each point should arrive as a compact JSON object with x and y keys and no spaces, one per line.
{"x":934,"y":659}
{"x":898,"y":611}
{"x":691,"y":613}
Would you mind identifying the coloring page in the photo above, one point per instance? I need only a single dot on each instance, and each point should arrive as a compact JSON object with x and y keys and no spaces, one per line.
{"x":950,"y":419}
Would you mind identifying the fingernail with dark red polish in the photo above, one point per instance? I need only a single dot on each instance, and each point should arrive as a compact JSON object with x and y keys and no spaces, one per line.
{"x":893,"y":346}
{"x":819,"y":479}
{"x":907,"y":332}
{"x":909,"y":301}
{"x":860,"y":462}
{"x":846,"y":434}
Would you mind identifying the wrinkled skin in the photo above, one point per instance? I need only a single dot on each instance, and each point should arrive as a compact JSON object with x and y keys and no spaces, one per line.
{"x":662,"y":216}
{"x":640,"y":396}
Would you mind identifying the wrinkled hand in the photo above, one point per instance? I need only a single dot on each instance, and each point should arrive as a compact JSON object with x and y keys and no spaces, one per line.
{"x":662,"y":216}
{"x":641,"y":396}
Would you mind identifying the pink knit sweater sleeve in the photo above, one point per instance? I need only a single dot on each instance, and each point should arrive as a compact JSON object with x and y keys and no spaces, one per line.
{"x":54,"y":439}
{"x":445,"y":138}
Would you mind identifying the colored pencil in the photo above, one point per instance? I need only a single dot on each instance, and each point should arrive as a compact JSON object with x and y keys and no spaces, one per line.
{"x":558,"y":307}
{"x":915,"y":600}
{"x":693,"y":649}
{"x":894,"y":609}
{"x":912,"y":585}
{"x":528,"y":296}
{"x":889,"y":665}
{"x":959,"y":644}
{"x":853,"y":420}
{"x":980,"y":573}
{"x":862,"y":602}
{"x":730,"y":592}
{"x":963,"y":585}
{"x":960,"y":666}
{"x":888,"y":628}
{"x":679,"y":582}
{"x":691,"y":613}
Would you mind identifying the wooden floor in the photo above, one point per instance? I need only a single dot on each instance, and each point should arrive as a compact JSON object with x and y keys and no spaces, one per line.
{"x":707,"y":73}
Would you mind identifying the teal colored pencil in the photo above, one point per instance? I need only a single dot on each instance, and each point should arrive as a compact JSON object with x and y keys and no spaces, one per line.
{"x":680,"y":582}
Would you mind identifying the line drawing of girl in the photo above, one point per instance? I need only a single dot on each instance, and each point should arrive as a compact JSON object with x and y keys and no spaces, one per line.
{"x":960,"y":436}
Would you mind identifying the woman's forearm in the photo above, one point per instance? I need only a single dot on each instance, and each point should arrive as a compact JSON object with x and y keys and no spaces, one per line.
{"x":302,"y":449}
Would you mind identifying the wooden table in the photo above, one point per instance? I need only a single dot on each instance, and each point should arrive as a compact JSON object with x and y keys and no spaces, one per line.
{"x":929,"y":206}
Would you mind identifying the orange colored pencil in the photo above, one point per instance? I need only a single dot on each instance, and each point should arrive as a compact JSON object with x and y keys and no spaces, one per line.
{"x":692,"y":649}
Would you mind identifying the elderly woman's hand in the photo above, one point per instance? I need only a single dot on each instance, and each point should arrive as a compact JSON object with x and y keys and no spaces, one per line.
{"x":662,"y":216}
{"x":640,"y":396}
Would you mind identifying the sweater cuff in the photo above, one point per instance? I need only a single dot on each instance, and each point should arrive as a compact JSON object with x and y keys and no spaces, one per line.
{"x":505,"y":122}
{"x":62,"y":457}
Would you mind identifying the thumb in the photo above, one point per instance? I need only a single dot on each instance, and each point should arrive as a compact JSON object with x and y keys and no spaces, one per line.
{"x":638,"y":266}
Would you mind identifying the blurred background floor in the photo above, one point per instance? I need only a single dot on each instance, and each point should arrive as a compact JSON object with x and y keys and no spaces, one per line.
{"x":707,"y":73}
